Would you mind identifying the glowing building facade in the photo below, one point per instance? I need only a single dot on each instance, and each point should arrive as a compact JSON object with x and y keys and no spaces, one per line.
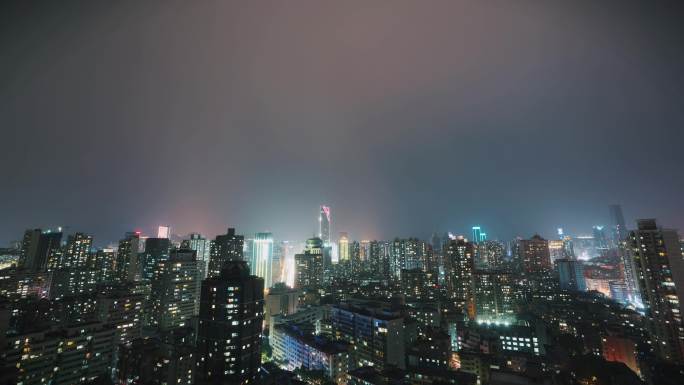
{"x":534,"y":254}
{"x":343,"y":247}
{"x":261,"y":259}
{"x":202,"y":248}
{"x":478,"y":235}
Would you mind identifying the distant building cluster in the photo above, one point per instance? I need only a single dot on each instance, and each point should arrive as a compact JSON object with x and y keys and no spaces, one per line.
{"x":604,"y":308}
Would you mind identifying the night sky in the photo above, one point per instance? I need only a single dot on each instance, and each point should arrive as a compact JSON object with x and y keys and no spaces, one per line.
{"x":405,"y":117}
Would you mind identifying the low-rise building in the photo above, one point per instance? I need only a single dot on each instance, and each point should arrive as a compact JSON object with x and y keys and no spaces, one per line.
{"x":295,"y":346}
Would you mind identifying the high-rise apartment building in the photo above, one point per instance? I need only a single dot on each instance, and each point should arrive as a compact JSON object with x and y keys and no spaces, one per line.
{"x":659,"y":268}
{"x":76,"y":251}
{"x":494,"y":295}
{"x":128,"y":263}
{"x":230,"y":322}
{"x":460,"y":264}
{"x":36,"y":248}
{"x":63,"y":355}
{"x":175,"y":290}
{"x":103,"y":262}
{"x":226,"y":247}
{"x":156,"y":250}
{"x":406,"y":254}
{"x":490,"y":254}
{"x":202,"y":247}
{"x":534,"y":255}
{"x":418,"y":284}
{"x":309,"y":265}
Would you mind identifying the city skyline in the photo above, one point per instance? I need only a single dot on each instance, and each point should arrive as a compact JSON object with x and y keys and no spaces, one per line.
{"x":468,"y":232}
{"x":341,"y":192}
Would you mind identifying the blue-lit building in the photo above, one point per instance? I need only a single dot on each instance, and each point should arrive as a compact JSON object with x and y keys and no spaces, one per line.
{"x":600,"y":238}
{"x":156,"y":250}
{"x":619,"y":292}
{"x":571,"y":275}
{"x":478,"y":235}
{"x":295,"y":346}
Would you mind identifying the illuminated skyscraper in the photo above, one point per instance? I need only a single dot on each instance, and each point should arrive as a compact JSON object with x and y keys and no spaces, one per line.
{"x":556,"y":250}
{"x":619,"y":241}
{"x":226,"y":247}
{"x":175,"y":290}
{"x":156,"y":250}
{"x":364,"y":251}
{"x":325,"y":225}
{"x":533,"y":254}
{"x":287,"y":263}
{"x":163,"y":232}
{"x":357,"y":264}
{"x":277,"y":264}
{"x":343,"y":248}
{"x":104,"y":262}
{"x":202,"y":248}
{"x":659,"y":268}
{"x":419,"y":285}
{"x":378,"y":257}
{"x":128,"y":266}
{"x":309,"y":265}
{"x":478,"y":235}
{"x":459,"y":260}
{"x":406,"y":254}
{"x":261,"y":259}
{"x":76,"y":252}
{"x":490,"y":254}
{"x":493,"y":296}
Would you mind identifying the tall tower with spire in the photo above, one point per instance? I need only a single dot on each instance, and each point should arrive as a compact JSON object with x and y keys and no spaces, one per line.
{"x":324,"y":225}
